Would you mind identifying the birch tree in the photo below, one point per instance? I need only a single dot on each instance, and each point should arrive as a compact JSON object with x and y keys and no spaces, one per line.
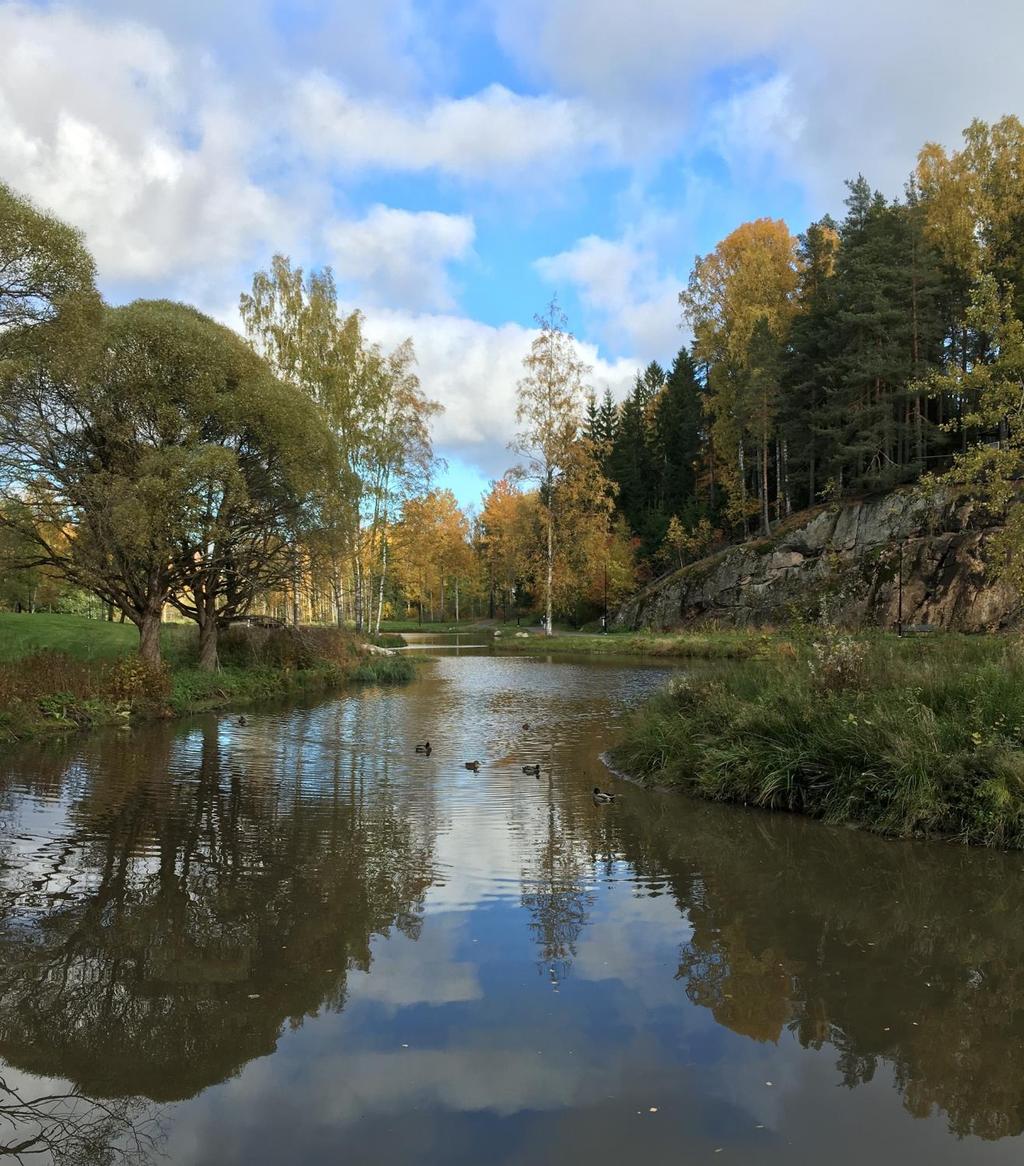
{"x":373,"y":402}
{"x":549,"y":411}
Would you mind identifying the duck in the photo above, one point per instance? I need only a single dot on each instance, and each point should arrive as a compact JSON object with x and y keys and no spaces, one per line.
{"x":601,"y":798}
{"x":242,"y":721}
{"x":473,"y":765}
{"x":532,"y":770}
{"x":424,"y":748}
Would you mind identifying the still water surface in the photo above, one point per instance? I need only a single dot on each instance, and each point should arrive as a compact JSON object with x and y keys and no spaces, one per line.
{"x":298,"y":941}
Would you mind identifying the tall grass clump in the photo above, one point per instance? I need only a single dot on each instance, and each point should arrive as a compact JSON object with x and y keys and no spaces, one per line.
{"x":384,"y":670}
{"x":905,"y":737}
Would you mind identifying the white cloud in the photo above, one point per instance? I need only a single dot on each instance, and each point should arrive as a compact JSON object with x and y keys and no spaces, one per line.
{"x":111,"y":143}
{"x":400,"y":258}
{"x":647,"y":66}
{"x":384,"y":46}
{"x":756,"y":124}
{"x":484,"y":136}
{"x":634,"y":308}
{"x":859,"y":88}
{"x":472,"y":369}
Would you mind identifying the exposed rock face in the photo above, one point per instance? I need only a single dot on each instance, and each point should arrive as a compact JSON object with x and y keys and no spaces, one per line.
{"x":845,"y":560}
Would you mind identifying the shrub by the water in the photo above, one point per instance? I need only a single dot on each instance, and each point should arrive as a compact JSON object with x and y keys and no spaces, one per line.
{"x":911,"y":737}
{"x":52,"y":690}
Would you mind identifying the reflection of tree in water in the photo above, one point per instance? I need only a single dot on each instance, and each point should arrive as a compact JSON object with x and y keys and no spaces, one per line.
{"x":557,"y":889}
{"x":899,"y":954}
{"x":201,"y":917}
{"x":69,"y":1129}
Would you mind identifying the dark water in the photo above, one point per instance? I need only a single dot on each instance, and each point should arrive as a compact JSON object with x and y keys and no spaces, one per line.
{"x":297,"y":941}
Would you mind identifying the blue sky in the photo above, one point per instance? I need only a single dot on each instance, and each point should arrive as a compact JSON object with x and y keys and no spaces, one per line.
{"x":459,"y":163}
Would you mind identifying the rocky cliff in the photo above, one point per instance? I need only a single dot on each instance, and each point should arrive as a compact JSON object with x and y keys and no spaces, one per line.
{"x":845,"y":560}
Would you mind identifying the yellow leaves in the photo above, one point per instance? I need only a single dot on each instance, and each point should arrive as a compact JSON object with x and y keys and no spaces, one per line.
{"x":750,"y":276}
{"x":683,"y":543}
{"x":431,"y":544}
{"x":973,"y":198}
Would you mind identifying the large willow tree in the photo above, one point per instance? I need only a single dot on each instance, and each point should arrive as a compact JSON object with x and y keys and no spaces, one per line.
{"x":165,"y":465}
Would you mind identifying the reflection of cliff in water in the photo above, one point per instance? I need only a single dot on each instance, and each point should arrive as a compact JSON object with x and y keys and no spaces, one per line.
{"x":160,"y":941}
{"x":905,"y":955}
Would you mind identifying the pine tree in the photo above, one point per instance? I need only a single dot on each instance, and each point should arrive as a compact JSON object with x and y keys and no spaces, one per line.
{"x":806,"y":363}
{"x":885,"y":336}
{"x":677,"y":433}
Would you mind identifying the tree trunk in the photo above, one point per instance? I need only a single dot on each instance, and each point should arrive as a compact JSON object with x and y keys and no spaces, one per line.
{"x":787,"y":498}
{"x":548,"y":630}
{"x":766,"y":522}
{"x":339,"y":598}
{"x":383,"y":572}
{"x":743,"y":485}
{"x":296,"y":586}
{"x":149,"y":634}
{"x":209,"y":661}
{"x":456,"y":599}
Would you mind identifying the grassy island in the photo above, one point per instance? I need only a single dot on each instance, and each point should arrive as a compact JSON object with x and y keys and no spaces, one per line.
{"x":62,"y":672}
{"x":922,"y":736}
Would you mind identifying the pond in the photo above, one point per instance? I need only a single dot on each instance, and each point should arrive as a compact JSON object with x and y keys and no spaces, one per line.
{"x":297,"y":940}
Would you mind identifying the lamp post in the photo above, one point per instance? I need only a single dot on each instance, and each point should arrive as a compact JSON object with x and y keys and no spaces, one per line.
{"x":604,"y":619}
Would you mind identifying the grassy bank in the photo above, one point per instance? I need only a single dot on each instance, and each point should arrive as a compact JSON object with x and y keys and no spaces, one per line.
{"x":922,"y":736}
{"x":64,"y":672}
{"x":703,"y":644}
{"x":723,"y":644}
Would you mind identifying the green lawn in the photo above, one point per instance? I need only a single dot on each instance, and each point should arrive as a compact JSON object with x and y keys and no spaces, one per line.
{"x":77,"y":636}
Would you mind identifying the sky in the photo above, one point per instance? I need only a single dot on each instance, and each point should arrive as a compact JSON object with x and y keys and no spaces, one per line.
{"x":458,"y":164}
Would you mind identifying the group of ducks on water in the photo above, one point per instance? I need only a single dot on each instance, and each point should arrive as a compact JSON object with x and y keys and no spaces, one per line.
{"x":599,"y":796}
